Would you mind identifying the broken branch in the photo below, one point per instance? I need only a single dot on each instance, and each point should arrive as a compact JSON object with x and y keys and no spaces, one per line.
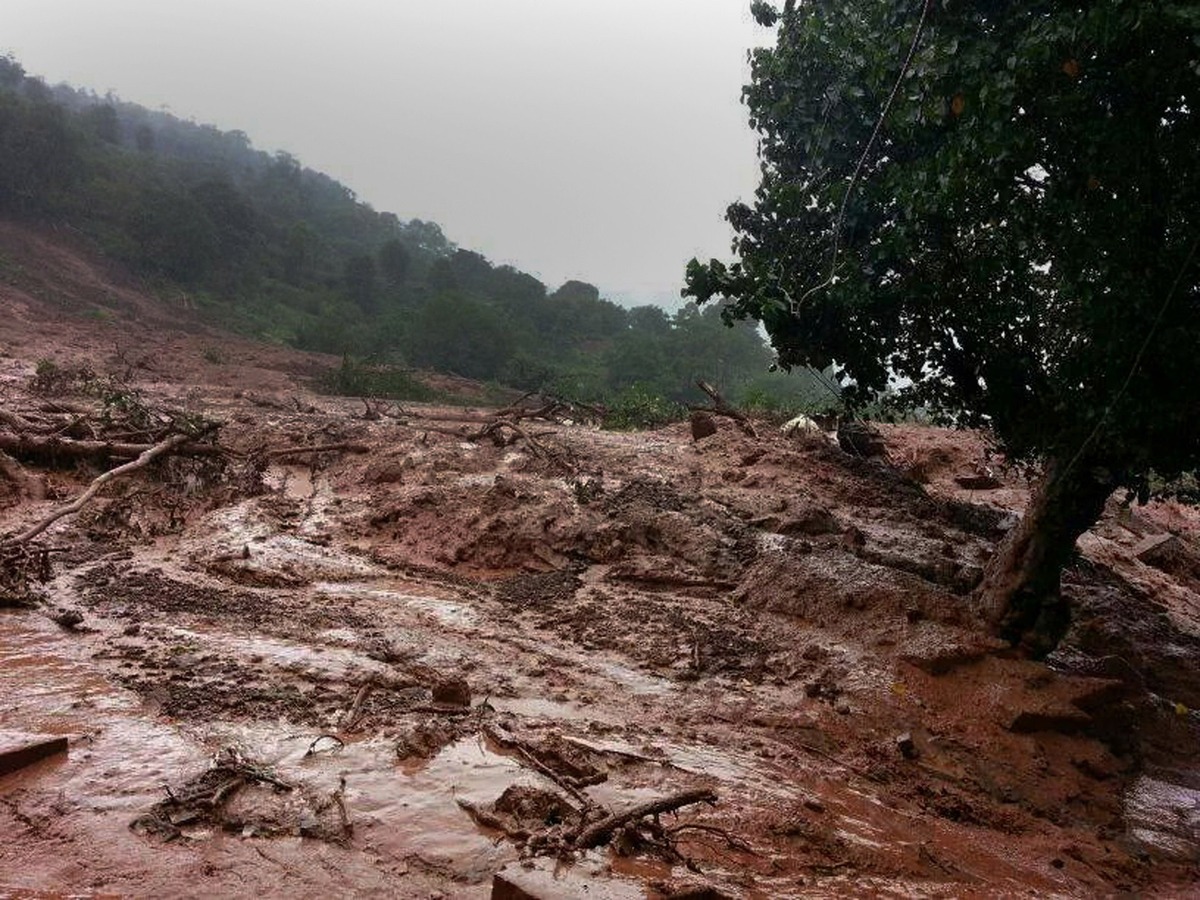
{"x":53,"y":448}
{"x":598,"y":832}
{"x":146,"y":457}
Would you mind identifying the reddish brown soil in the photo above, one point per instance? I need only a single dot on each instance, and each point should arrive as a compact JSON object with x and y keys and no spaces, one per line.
{"x":765,"y":617}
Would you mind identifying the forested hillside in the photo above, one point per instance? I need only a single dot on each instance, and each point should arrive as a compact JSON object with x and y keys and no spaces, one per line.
{"x":259,"y":243}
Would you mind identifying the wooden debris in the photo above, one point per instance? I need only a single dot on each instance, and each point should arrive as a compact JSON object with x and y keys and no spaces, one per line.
{"x":354,"y":713}
{"x":598,"y":832}
{"x":144,"y":459}
{"x":53,"y":449}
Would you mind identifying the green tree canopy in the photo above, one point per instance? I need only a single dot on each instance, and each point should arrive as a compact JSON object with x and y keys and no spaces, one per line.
{"x":1013,"y":238}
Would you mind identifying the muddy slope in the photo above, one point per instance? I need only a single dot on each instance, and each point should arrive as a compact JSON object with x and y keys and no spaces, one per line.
{"x":316,"y":679}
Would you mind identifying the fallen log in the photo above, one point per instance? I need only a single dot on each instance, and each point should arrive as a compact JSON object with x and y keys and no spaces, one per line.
{"x":598,"y":832}
{"x":144,"y":459}
{"x":51,"y":449}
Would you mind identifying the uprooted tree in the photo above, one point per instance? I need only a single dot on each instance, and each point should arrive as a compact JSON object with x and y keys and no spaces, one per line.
{"x":994,"y":208}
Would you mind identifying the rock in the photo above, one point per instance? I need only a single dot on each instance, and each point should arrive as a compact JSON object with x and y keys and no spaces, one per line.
{"x":1065,"y":720}
{"x":842,"y":707}
{"x":801,"y":426}
{"x":68,"y":618}
{"x":703,"y":425}
{"x":935,"y":654}
{"x":853,"y":538}
{"x":452,"y":692}
{"x":907,"y":746}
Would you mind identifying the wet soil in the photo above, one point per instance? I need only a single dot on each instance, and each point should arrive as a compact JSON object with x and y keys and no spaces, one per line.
{"x":642,"y":614}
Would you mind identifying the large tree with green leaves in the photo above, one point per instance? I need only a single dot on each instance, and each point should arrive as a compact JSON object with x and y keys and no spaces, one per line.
{"x":995,"y":207}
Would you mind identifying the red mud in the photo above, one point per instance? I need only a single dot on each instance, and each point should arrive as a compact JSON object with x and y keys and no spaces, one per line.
{"x":763,"y":617}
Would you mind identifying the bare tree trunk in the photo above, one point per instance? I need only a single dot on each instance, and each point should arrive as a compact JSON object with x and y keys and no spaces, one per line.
{"x":1021,"y":589}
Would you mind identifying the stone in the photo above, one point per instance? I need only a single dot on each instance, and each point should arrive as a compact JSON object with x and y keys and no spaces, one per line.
{"x":809,"y":520}
{"x":68,"y":618}
{"x":859,"y":439}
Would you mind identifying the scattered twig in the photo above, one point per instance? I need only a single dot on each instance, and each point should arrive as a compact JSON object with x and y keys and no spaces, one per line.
{"x":337,"y":744}
{"x":734,"y":842}
{"x":598,"y":832}
{"x":488,"y":819}
{"x":512,"y":742}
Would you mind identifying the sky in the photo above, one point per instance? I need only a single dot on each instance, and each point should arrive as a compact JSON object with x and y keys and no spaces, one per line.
{"x":592,"y":139}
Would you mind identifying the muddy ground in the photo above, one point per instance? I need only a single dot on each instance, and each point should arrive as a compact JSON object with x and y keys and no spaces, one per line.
{"x":370,"y":649}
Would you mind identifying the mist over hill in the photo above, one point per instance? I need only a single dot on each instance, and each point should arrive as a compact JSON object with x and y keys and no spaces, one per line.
{"x":262,"y":244}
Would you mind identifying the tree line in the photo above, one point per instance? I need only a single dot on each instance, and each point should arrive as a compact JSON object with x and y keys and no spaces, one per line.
{"x":260,"y":243}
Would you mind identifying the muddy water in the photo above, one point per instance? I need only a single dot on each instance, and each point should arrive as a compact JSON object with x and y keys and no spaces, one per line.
{"x":117,"y":762}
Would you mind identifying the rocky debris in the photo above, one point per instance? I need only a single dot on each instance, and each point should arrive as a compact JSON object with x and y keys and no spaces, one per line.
{"x":67,"y":618}
{"x":1157,"y":549}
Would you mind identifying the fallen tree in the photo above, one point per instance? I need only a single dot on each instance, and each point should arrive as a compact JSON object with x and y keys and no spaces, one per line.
{"x":50,"y":450}
{"x":144,"y":459}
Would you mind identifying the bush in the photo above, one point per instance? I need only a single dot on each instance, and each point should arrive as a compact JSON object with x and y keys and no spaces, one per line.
{"x":355,"y":379}
{"x":636,"y":407}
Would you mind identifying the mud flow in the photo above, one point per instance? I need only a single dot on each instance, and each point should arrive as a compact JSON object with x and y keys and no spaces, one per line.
{"x":598,"y":664}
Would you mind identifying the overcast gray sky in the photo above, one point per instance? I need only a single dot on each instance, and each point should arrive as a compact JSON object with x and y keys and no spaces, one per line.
{"x":591,"y":139}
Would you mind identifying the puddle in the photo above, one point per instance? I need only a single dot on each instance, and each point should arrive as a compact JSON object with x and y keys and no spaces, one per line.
{"x":118,"y":759}
{"x":415,"y":812}
{"x":543,"y":708}
{"x":295,"y":482}
{"x":635,"y":682}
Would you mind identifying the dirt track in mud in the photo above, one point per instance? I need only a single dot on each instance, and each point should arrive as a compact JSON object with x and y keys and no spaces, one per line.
{"x":630,"y":615}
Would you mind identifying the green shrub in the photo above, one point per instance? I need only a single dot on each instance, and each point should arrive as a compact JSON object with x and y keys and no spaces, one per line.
{"x":355,"y":379}
{"x":636,"y":407}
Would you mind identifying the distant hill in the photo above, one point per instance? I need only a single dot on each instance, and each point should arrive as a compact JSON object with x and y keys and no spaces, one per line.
{"x":263,"y":245}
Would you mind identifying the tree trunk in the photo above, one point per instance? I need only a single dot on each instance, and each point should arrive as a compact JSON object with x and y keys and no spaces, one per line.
{"x":1021,"y":590}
